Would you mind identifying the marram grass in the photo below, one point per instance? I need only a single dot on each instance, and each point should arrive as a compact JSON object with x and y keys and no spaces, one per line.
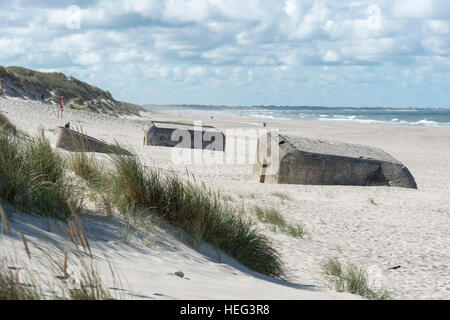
{"x":83,"y":284}
{"x":351,"y":279}
{"x":198,"y":211}
{"x":7,"y":126}
{"x":131,"y":186}
{"x":275,"y":218}
{"x":33,"y":176}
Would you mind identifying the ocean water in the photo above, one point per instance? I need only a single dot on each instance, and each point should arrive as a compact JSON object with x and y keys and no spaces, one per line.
{"x":408,"y":116}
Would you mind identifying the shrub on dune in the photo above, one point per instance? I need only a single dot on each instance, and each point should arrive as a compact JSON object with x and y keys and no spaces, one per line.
{"x":33,"y":176}
{"x":129,"y":179}
{"x":12,"y":177}
{"x":42,"y":161}
{"x":86,"y":166}
{"x":351,"y":279}
{"x":6,"y":125}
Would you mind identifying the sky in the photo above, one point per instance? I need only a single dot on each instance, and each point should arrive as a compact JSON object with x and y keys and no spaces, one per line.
{"x":391,"y":53}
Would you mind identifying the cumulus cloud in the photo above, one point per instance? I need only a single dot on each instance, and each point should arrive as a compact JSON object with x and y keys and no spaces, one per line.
{"x":10,"y":47}
{"x":86,"y":58}
{"x":425,"y":9}
{"x":330,"y":56}
{"x":217,"y":42}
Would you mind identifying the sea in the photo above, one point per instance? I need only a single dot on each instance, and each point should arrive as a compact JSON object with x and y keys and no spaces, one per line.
{"x":403,"y":116}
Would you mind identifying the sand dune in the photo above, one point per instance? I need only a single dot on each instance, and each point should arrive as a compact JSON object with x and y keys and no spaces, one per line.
{"x":373,"y":227}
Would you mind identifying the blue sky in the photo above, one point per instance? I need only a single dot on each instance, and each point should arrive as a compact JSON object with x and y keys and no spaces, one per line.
{"x":234,"y":52}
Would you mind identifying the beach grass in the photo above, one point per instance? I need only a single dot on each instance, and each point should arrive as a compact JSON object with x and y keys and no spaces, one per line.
{"x":11,"y":287}
{"x":85,"y":284}
{"x":42,"y":161}
{"x":202,"y":214}
{"x":90,"y":286}
{"x":33,"y":176}
{"x":296,"y":231}
{"x":372,"y":201}
{"x":282,"y":195}
{"x":87,"y":166}
{"x":275,"y":218}
{"x":270,"y":215}
{"x":350,"y":278}
{"x":128,"y":187}
{"x":6,"y":125}
{"x":227,"y":198}
{"x":12,"y":178}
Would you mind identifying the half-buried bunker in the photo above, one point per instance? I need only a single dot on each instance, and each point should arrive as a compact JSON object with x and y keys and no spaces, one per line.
{"x":317,"y":162}
{"x":183,"y":135}
{"x":72,"y":140}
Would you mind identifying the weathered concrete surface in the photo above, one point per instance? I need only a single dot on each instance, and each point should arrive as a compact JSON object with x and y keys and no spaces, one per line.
{"x":317,"y":162}
{"x":72,"y":140}
{"x":181,"y":135}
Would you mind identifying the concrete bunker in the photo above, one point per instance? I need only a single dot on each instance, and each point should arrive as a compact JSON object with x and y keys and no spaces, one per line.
{"x":184,"y":135}
{"x":72,"y":140}
{"x":317,"y":162}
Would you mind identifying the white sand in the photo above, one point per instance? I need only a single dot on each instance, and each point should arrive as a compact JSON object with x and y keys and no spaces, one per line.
{"x":373,"y":227}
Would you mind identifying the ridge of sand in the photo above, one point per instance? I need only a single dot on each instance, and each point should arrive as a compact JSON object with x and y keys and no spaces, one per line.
{"x":373,"y":227}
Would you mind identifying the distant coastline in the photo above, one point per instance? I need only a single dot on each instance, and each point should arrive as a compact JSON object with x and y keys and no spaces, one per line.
{"x":388,"y":115}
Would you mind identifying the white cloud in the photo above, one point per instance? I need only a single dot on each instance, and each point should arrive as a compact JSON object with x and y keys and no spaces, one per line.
{"x":86,"y":58}
{"x":330,"y":56}
{"x":437,"y":45}
{"x":438,"y":27}
{"x":413,"y":8}
{"x":423,"y":9}
{"x":174,"y":40}
{"x":10,"y":47}
{"x":292,"y":9}
{"x":147,"y":8}
{"x":313,"y":22}
{"x":197,"y":71}
{"x":187,"y":10}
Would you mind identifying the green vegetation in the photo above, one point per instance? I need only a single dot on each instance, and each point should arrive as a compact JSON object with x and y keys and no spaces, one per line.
{"x":78,"y":94}
{"x":227,"y":198}
{"x":270,"y":215}
{"x":12,"y":289}
{"x":296,"y":231}
{"x":85,"y":285}
{"x":281,"y":195}
{"x":6,"y":125}
{"x":351,"y":279}
{"x":33,"y":177}
{"x":89,"y":286}
{"x":274,"y":217}
{"x":197,"y":211}
{"x":87,"y":167}
{"x":129,"y":187}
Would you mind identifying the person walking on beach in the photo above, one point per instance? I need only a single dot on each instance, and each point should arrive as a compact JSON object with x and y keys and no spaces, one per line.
{"x":61,"y":107}
{"x":43,"y":98}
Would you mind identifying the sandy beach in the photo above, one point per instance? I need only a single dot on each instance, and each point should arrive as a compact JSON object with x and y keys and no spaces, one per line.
{"x":373,"y":227}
